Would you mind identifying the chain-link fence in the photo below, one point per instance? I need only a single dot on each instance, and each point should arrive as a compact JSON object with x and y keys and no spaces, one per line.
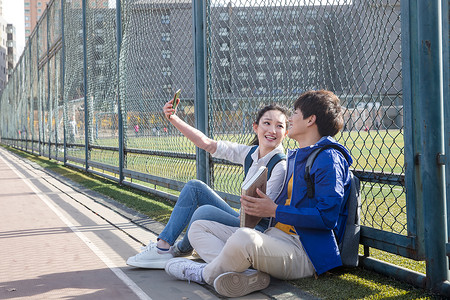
{"x":90,"y":85}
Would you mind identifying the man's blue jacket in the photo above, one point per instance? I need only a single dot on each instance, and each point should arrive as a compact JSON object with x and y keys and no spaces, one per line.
{"x":315,"y":218}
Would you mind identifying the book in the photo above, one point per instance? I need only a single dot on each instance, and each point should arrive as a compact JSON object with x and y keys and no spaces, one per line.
{"x":249,"y":186}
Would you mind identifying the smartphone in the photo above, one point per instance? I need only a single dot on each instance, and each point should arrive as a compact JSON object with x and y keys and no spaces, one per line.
{"x":175,"y":100}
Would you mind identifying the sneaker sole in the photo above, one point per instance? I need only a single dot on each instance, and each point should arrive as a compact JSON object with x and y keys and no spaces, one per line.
{"x":235,"y":284}
{"x":148,"y":265}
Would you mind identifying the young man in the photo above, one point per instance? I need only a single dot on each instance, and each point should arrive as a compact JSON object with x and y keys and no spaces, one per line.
{"x":301,"y":240}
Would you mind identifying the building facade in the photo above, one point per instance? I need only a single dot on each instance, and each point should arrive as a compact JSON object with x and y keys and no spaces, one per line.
{"x":33,"y":10}
{"x":10,"y":49}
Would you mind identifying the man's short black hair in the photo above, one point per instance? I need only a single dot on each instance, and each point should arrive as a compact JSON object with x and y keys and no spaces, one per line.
{"x":325,"y":105}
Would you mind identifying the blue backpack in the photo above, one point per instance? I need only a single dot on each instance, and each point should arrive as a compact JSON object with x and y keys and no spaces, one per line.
{"x":270,"y":165}
{"x":349,"y":242}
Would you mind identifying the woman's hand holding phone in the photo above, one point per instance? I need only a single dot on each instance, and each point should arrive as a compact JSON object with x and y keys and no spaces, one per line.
{"x":171,"y":106}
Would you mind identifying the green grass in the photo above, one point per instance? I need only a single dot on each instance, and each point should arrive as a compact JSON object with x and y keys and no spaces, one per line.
{"x":340,"y":283}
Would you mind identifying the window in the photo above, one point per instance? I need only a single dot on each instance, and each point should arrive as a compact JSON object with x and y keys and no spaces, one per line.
{"x":223,"y":16}
{"x":259,"y":15}
{"x":295,"y":14}
{"x":242,"y":46}
{"x":260,"y":45}
{"x":226,"y":77}
{"x":261,"y":75}
{"x":277,"y":29}
{"x":165,"y":36}
{"x":260,"y":30}
{"x":166,"y":53}
{"x":277,"y":44}
{"x":295,"y":45}
{"x":278,"y":75}
{"x":26,"y":4}
{"x":311,"y":13}
{"x":27,"y":24}
{"x":27,"y":18}
{"x":223,"y":31}
{"x":310,"y":28}
{"x":245,"y":90}
{"x":99,"y":17}
{"x":310,"y":44}
{"x":168,"y":88}
{"x":294,"y":28}
{"x":100,"y":63}
{"x":243,"y":76}
{"x":242,"y":15}
{"x":312,"y":58}
{"x":99,"y":47}
{"x":224,"y":47}
{"x":242,"y":29}
{"x":277,"y":14}
{"x":242,"y":60}
{"x":261,"y":60}
{"x":295,"y":59}
{"x":166,"y":71}
{"x":39,"y":4}
{"x":296,"y":75}
{"x":165,"y":19}
{"x":260,"y":91}
{"x":224,"y":62}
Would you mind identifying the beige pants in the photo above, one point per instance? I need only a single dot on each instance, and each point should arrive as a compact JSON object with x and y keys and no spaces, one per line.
{"x":227,"y":249}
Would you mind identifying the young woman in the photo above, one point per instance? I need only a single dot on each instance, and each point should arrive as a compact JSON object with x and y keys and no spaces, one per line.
{"x":197,"y":201}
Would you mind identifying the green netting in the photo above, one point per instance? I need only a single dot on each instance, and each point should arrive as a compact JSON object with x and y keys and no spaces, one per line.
{"x":156,"y":60}
{"x":261,"y":52}
{"x":74,"y":78}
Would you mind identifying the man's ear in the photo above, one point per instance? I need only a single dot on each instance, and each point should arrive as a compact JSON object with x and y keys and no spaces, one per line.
{"x":311,"y":120}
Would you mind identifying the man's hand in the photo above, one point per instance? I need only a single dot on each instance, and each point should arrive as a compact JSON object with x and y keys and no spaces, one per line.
{"x":261,"y":206}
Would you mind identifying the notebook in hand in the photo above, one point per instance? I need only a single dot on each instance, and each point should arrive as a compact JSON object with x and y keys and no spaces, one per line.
{"x":249,"y":186}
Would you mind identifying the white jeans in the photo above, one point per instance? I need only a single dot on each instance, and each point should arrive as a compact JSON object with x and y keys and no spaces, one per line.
{"x":227,"y":249}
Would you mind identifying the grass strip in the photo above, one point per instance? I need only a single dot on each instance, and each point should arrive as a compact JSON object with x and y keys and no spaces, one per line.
{"x":339,"y":283}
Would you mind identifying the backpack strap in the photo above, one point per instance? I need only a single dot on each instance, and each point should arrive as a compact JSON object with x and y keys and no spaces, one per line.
{"x":270,"y":165}
{"x":248,"y":160}
{"x":309,"y":163}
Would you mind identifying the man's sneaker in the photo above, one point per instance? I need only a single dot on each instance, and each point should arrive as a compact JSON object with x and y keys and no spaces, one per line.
{"x":150,"y":258}
{"x":185,"y":269}
{"x":235,"y":284}
{"x":178,"y":253}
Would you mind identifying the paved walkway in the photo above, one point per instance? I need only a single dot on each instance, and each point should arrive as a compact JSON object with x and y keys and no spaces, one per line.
{"x":60,"y":241}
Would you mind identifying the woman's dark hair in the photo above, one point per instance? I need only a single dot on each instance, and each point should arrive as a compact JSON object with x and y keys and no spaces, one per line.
{"x":262,"y":111}
{"x":326,"y":107}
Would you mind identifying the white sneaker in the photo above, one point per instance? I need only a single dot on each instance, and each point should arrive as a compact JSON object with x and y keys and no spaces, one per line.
{"x":185,"y":269}
{"x":150,"y":258}
{"x":235,"y":284}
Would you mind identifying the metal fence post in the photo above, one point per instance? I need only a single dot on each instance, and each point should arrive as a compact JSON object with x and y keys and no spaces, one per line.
{"x":40,"y":111}
{"x":119,"y":111}
{"x":446,"y":92}
{"x":432,"y":173}
{"x":49,"y":106}
{"x":86,"y":116}
{"x":63,"y":75}
{"x":201,"y":97}
{"x":31,"y":97}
